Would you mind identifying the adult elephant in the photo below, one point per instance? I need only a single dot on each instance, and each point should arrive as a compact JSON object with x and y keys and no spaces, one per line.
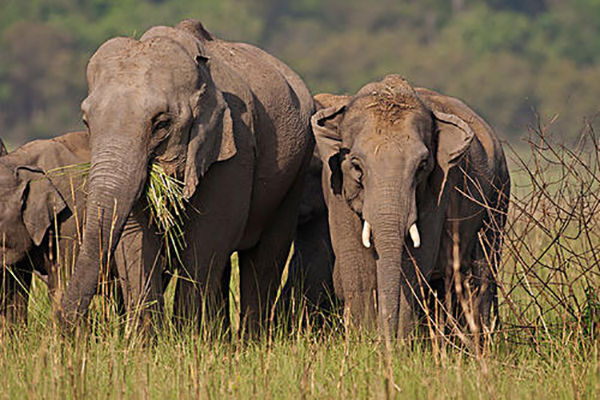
{"x":403,"y":162}
{"x":42,"y":187}
{"x":227,"y":119}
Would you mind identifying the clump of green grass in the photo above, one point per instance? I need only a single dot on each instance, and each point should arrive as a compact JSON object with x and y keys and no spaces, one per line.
{"x":164,"y":195}
{"x":165,"y":199}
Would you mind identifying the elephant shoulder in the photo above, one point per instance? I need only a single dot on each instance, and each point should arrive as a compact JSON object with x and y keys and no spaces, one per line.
{"x":292,"y":79}
{"x":272,"y":82}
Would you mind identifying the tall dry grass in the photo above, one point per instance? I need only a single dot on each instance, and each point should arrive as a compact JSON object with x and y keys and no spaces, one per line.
{"x":546,"y":343}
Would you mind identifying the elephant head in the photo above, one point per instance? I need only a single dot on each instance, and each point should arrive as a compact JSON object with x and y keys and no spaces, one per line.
{"x":29,"y":205}
{"x":149,"y":101}
{"x":386,"y":149}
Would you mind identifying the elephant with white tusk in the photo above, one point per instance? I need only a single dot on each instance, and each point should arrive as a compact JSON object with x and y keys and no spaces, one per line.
{"x":410,"y":163}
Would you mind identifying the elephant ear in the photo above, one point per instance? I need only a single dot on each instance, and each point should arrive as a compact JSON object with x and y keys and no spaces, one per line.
{"x":324,"y":125}
{"x":3,"y":150}
{"x":329,"y":141}
{"x":211,"y":138}
{"x":454,"y":139}
{"x":41,"y":202}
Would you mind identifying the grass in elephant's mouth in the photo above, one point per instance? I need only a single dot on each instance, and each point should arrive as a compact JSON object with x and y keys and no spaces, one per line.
{"x":166,"y":202}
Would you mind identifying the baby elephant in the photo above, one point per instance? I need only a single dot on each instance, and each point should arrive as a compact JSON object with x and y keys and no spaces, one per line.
{"x":41,"y":217}
{"x":311,"y":269}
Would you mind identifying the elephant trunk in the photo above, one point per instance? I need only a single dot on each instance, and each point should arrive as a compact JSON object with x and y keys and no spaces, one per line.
{"x":116,"y":181}
{"x":389,"y":225}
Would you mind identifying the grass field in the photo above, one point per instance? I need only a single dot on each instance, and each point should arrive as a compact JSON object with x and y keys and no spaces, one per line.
{"x":547,"y":345}
{"x":318,"y":363}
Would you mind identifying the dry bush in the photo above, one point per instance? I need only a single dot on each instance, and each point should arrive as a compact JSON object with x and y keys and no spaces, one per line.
{"x":549,"y":282}
{"x":548,"y":279}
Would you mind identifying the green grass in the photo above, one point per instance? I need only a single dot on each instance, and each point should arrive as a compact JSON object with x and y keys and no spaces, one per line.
{"x":547,"y":345}
{"x":315,"y":362}
{"x":318,"y":363}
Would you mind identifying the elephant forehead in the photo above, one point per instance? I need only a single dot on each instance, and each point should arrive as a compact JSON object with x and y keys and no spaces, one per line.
{"x":398,"y":142}
{"x":159,"y":62}
{"x":170,"y":62}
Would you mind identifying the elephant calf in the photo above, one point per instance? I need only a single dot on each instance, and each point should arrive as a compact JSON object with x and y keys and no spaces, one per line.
{"x":417,"y":189}
{"x":41,"y":218}
{"x":311,"y":268}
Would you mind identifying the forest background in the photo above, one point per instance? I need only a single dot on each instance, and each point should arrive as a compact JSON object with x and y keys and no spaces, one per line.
{"x":511,"y":60}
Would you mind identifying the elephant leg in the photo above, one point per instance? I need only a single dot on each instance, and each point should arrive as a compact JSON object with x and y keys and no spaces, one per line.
{"x":116,"y":290}
{"x":14,"y":287}
{"x":311,"y":268}
{"x":486,"y":260}
{"x":261,"y":267}
{"x":200,"y":291}
{"x":139,"y":265}
{"x":225,"y":283}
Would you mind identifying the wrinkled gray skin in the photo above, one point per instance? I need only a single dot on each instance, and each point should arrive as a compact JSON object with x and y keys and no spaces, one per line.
{"x":397,"y":156}
{"x":41,"y":218}
{"x":311,"y":268}
{"x":231,"y":122}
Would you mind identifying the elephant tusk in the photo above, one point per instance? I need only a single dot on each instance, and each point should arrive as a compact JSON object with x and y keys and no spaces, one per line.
{"x":366,"y":235}
{"x":414,"y":235}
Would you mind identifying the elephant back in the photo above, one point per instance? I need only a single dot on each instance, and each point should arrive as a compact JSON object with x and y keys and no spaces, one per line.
{"x":269,"y":79}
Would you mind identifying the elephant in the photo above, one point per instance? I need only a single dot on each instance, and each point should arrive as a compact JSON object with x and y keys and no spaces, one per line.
{"x":310,"y":273}
{"x":42,"y":185}
{"x":229,"y":121}
{"x":417,"y":188}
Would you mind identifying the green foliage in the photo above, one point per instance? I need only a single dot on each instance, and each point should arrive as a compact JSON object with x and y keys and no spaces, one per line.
{"x":504,"y":58}
{"x":164,"y":195}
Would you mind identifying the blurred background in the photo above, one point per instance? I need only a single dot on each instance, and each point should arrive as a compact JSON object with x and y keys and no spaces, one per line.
{"x":511,"y":60}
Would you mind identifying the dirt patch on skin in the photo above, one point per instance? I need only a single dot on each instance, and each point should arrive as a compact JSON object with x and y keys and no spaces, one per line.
{"x":391,"y":101}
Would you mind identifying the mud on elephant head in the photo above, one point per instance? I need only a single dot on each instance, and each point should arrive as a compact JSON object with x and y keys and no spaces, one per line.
{"x":390,"y":152}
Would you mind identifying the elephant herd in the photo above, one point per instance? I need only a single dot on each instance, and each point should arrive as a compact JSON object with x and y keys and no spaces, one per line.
{"x":401,"y":204}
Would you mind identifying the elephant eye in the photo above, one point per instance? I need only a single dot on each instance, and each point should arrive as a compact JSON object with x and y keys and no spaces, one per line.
{"x":162,"y":121}
{"x":422,"y":165}
{"x":161,"y":125}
